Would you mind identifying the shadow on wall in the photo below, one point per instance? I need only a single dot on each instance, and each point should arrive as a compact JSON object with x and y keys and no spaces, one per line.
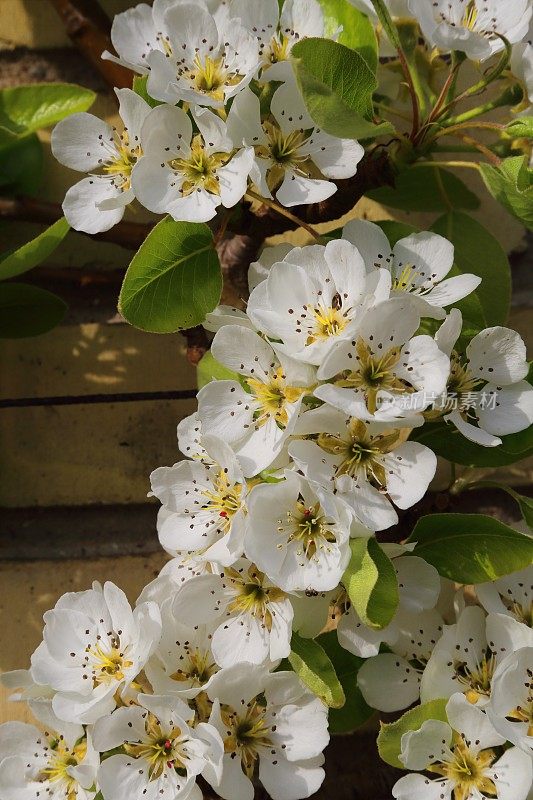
{"x":90,"y":453}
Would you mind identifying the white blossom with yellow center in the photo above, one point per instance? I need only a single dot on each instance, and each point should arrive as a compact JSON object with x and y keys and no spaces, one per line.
{"x":293,"y":158}
{"x":385,"y":371}
{"x":256,"y":414}
{"x":107,"y":646}
{"x":189,"y":175}
{"x":512,"y":596}
{"x":60,"y":765}
{"x":87,"y":144}
{"x":370,"y":465}
{"x":314,"y":297}
{"x":163,"y":754}
{"x":467,"y":655}
{"x":272,"y":727}
{"x":487,"y":383}
{"x":418,"y":265}
{"x":206,"y":60}
{"x":466,"y":758}
{"x":511,"y":706}
{"x":474,"y":27}
{"x":206,"y":503}
{"x":183,"y":662}
{"x":298,"y":535}
{"x":252,"y":617}
{"x":277,"y":32}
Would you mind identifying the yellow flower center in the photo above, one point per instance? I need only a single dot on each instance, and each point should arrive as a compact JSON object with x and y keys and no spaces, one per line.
{"x":307,"y":525}
{"x":197,"y":668}
{"x":361,"y":453}
{"x":251,"y":596}
{"x":246,"y":734}
{"x":224,"y":500}
{"x":467,"y":771}
{"x":274,"y":397}
{"x":121,"y":166}
{"x":375,"y":373}
{"x":477,"y":680}
{"x":210,"y":76}
{"x":284,"y":150}
{"x":161,"y":749}
{"x":62,"y":758}
{"x":108,"y":665}
{"x":199,"y":169}
{"x":470,"y":16}
{"x":278,"y":49}
{"x":327,"y":322}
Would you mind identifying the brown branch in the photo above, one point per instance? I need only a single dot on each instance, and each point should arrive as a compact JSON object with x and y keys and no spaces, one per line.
{"x":89,"y":27}
{"x":29,"y":209}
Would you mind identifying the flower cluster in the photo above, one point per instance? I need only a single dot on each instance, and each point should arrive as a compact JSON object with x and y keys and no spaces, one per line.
{"x":349,"y":355}
{"x":210,"y":137}
{"x":305,"y":447}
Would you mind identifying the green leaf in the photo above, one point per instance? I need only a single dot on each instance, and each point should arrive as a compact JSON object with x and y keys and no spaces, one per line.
{"x":521,"y":128}
{"x":27,"y":310}
{"x":140,"y":87}
{"x":357,"y":31}
{"x":174,"y":279}
{"x":447,"y":442}
{"x":314,"y":668}
{"x":425,"y":189}
{"x":390,"y":736}
{"x":471,"y":548}
{"x":478,"y":252}
{"x":24,"y":109}
{"x":355,"y":711}
{"x":34,"y":252}
{"x":337,"y":85}
{"x":21,"y":165}
{"x":512,"y":185}
{"x":209,"y":369}
{"x":371,"y":583}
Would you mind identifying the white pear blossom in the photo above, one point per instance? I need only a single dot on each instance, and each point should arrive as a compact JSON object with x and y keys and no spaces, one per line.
{"x":315,"y":297}
{"x":182,"y":663}
{"x":463,"y":757}
{"x":298,"y":534}
{"x":58,"y":763}
{"x":384,"y":372}
{"x":293,"y":158}
{"x":207,"y":505}
{"x":88,"y":144}
{"x":511,"y":706}
{"x":277,"y":32}
{"x":163,"y":754}
{"x":206,"y":60}
{"x":489,"y":382}
{"x":272,"y":723}
{"x":185,"y":174}
{"x":141,"y":29}
{"x":511,"y":596}
{"x":93,"y":649}
{"x":466,"y":656}
{"x":418,"y":265}
{"x":312,"y":610}
{"x":251,"y":616}
{"x":474,"y":27}
{"x":257,"y":416}
{"x":522,"y":61}
{"x":368,"y":464}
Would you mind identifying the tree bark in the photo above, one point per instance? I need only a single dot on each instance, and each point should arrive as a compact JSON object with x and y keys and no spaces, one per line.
{"x":89,"y":27}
